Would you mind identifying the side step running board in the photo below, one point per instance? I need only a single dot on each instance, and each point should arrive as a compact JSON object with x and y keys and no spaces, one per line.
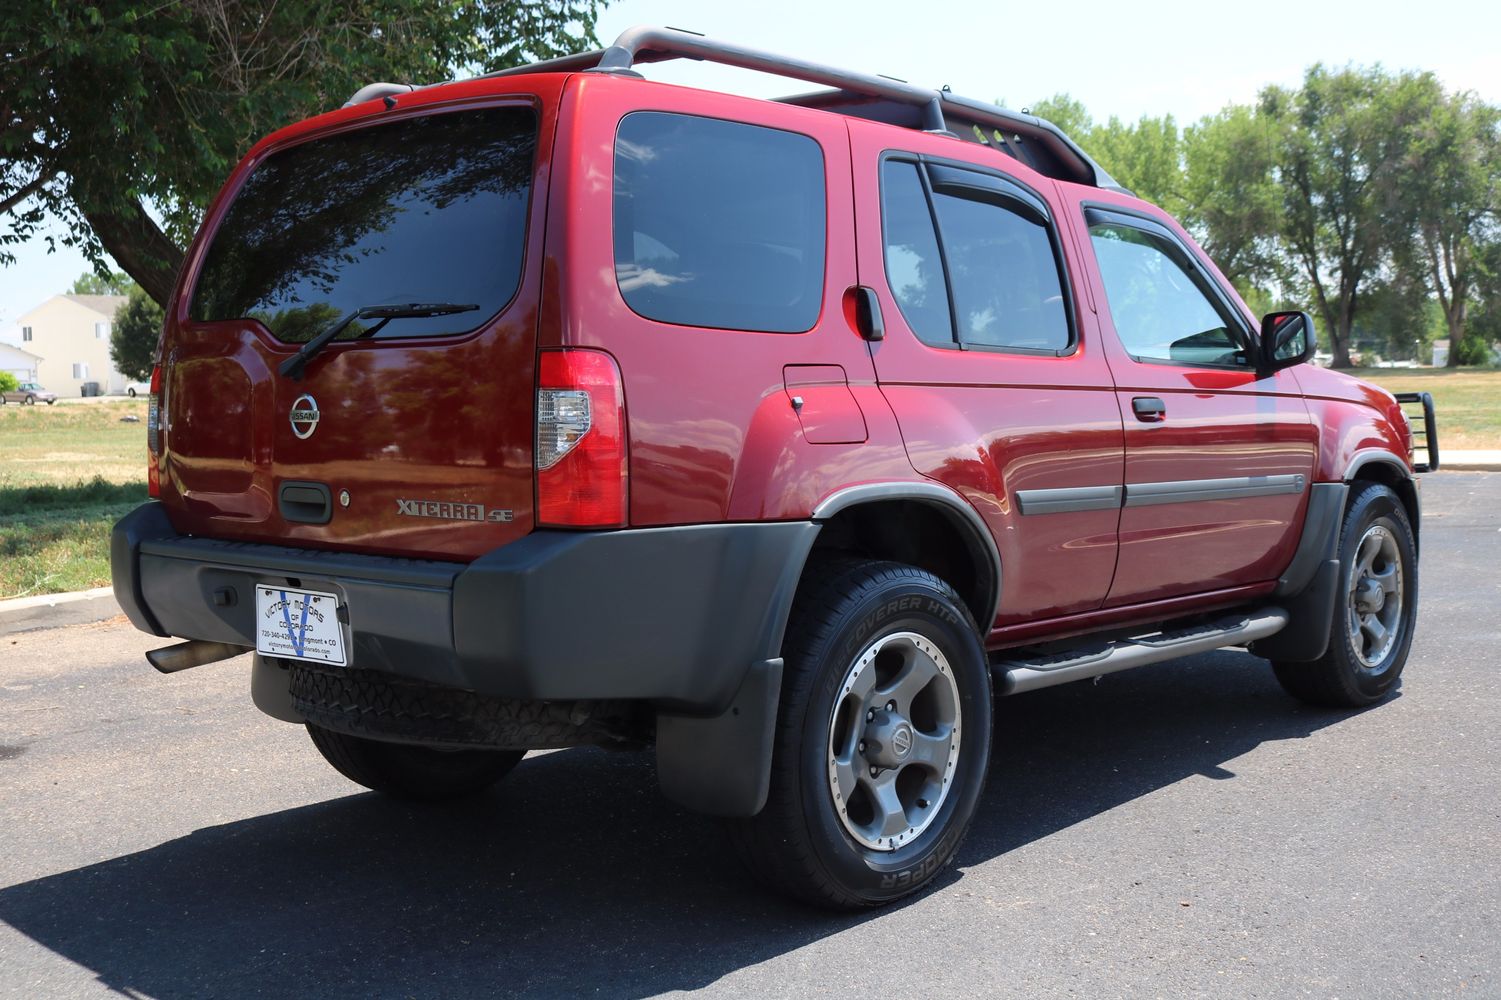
{"x":1013,"y":675}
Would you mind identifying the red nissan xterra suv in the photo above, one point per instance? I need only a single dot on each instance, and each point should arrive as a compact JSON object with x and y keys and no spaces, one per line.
{"x":561,"y":407}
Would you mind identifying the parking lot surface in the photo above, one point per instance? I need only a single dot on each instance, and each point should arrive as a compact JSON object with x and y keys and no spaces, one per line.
{"x":1179,"y":830}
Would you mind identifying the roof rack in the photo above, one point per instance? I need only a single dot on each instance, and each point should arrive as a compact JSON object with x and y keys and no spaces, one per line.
{"x":1035,"y":141}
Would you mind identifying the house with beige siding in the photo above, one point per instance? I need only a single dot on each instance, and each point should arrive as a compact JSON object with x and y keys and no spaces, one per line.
{"x":69,"y":334}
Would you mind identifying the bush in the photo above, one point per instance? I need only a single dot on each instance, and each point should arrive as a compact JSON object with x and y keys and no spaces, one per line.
{"x":1474,"y":351}
{"x":8,"y":382}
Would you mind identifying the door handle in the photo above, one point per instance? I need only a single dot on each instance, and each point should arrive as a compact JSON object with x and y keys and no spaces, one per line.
{"x":1149,"y":409}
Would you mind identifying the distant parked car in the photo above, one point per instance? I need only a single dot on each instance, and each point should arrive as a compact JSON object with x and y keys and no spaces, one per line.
{"x":28,"y":393}
{"x":134,"y":389}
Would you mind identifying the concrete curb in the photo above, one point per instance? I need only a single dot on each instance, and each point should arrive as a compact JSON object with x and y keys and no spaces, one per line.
{"x":25,"y":614}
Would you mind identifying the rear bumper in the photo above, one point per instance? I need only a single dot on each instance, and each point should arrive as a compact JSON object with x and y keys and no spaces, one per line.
{"x":674,"y":616}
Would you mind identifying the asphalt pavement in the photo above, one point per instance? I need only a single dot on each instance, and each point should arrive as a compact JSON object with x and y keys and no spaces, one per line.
{"x":1178,"y":830}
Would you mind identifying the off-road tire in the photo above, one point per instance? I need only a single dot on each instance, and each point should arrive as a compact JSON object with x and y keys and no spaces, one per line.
{"x":405,"y":771}
{"x":798,"y":843}
{"x":1339,"y":678}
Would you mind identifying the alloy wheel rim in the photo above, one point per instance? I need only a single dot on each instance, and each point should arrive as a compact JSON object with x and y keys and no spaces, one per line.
{"x":1374,"y":615}
{"x":893,"y":741}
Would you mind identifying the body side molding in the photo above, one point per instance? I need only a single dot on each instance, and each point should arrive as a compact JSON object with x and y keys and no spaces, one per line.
{"x":1070,"y":500}
{"x":1235,"y":488}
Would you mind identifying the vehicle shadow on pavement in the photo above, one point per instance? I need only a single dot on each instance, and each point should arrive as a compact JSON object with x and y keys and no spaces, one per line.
{"x":574,"y":876}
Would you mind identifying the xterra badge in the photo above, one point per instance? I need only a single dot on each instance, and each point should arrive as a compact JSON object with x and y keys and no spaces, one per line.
{"x":452,"y":511}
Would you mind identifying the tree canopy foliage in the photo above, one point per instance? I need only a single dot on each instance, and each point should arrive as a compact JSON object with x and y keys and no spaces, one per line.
{"x":123,"y":117}
{"x":109,"y":283}
{"x":1371,"y":198}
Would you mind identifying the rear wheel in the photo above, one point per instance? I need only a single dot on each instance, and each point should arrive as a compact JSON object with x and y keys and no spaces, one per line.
{"x":131,"y":392}
{"x":1374,"y":611}
{"x":883,"y":737}
{"x":413,"y":772}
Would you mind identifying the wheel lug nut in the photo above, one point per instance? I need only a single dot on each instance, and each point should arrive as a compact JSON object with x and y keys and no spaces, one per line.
{"x":891,"y":706}
{"x":870,"y":716}
{"x":862,"y":746}
{"x":874,"y":771}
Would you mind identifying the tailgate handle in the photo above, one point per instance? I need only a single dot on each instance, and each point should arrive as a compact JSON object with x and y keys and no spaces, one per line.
{"x":307,"y":503}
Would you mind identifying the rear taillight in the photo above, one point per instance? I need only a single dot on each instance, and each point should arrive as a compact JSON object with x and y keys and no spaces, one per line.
{"x":580,"y":456}
{"x":154,"y":434}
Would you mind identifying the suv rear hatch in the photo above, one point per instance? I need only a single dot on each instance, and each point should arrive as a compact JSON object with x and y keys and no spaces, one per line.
{"x":406,"y":434}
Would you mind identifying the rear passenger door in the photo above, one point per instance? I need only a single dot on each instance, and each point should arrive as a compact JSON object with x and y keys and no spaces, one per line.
{"x":1218,"y":457}
{"x":998,"y":386}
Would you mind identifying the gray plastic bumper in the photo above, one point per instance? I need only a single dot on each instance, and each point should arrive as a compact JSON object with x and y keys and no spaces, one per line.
{"x":674,"y":616}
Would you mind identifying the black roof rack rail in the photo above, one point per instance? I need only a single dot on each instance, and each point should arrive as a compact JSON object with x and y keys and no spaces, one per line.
{"x":937,"y":111}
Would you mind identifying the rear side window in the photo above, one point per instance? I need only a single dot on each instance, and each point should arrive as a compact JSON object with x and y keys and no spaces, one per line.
{"x":425,"y":209}
{"x":987,"y":274}
{"x":719,"y":224}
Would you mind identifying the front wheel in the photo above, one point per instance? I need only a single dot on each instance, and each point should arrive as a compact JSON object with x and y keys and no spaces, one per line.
{"x":413,"y":772}
{"x":131,"y":393}
{"x":30,"y":400}
{"x":883,"y":737}
{"x":1374,"y":611}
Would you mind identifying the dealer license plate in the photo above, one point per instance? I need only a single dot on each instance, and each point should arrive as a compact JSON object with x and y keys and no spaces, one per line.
{"x":298,"y":624}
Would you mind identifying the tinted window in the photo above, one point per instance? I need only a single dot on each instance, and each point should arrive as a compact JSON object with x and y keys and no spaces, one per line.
{"x":1159,"y":310}
{"x":914,"y":269}
{"x":428,"y":209}
{"x":999,"y":265}
{"x":718,"y":224}
{"x":1007,"y":290}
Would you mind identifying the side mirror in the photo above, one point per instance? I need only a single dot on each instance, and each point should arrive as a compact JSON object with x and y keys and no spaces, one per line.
{"x":1287,"y":339}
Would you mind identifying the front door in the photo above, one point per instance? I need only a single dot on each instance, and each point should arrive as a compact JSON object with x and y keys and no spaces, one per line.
{"x":1218,"y":458}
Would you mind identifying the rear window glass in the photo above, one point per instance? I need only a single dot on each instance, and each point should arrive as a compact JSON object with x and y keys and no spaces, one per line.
{"x":426,"y":209}
{"x":719,"y":224}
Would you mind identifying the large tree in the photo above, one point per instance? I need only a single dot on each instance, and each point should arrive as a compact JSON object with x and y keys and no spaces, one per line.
{"x":1449,"y":193}
{"x":122,"y":117}
{"x":1341,"y":139}
{"x":1230,"y":197}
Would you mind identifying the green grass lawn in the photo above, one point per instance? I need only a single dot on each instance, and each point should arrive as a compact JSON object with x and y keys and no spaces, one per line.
{"x":67,"y":473}
{"x":1466,"y":401}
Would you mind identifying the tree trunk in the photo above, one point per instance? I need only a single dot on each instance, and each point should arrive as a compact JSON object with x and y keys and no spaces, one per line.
{"x":1338,"y":326}
{"x":1455,"y":319}
{"x":139,"y":246}
{"x":1341,"y":351}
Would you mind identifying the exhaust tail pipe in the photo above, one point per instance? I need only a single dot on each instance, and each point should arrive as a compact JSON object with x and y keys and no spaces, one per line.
{"x":194,"y":653}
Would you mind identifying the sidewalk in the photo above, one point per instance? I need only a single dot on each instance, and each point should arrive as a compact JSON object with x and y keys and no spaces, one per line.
{"x":1468,"y":461}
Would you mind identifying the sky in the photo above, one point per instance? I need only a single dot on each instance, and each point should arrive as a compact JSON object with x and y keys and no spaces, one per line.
{"x":1187,"y":59}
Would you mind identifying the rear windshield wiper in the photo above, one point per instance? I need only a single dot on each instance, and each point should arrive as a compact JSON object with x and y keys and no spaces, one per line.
{"x":293,"y":366}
